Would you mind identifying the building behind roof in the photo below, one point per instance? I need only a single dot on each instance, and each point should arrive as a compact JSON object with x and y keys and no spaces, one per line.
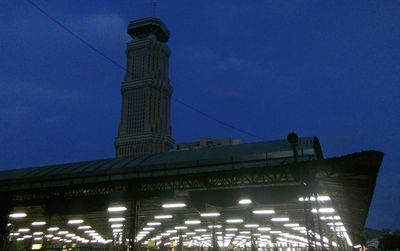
{"x":207,"y":142}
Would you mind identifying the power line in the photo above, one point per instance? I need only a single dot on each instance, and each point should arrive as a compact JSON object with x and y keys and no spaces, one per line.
{"x":89,"y":45}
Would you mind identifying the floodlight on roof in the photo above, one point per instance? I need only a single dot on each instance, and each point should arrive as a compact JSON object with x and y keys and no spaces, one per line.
{"x":116,"y":209}
{"x":244,"y":201}
{"x":153,"y":223}
{"x":38,"y":223}
{"x":214,"y":214}
{"x":18,"y":215}
{"x":280,"y":219}
{"x":117,"y":219}
{"x":75,"y":221}
{"x":234,"y":221}
{"x":163,"y":217}
{"x":174,"y":205}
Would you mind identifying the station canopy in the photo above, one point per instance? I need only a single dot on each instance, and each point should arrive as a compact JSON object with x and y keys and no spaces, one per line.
{"x":262,"y":194}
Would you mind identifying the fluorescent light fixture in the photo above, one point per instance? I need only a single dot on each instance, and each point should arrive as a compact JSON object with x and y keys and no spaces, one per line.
{"x":291,"y":225}
{"x":251,"y":225}
{"x":62,"y":232}
{"x":27,"y":236}
{"x":50,"y":229}
{"x":264,"y":211}
{"x":18,"y":215}
{"x":181,"y":227}
{"x":145,"y":228}
{"x":38,"y":233}
{"x":49,"y":235}
{"x":231,"y":229}
{"x":244,"y":232}
{"x":117,"y":230}
{"x":275,"y":232}
{"x":312,"y":198}
{"x":116,"y":219}
{"x":174,"y":205}
{"x":163,"y":217}
{"x":245,"y":201}
{"x":323,"y":210}
{"x":84,"y":227}
{"x":200,"y":230}
{"x":234,"y":221}
{"x":116,"y":209}
{"x":172,"y":231}
{"x":214,"y":226}
{"x":165,"y":234}
{"x":192,"y":222}
{"x":89,"y":231}
{"x":75,"y":222}
{"x":70,"y":235}
{"x":153,"y":223}
{"x":38,"y":223}
{"x":210,"y":214}
{"x":280,"y":219}
{"x":263,"y":229}
{"x":190,"y":233}
{"x":299,"y":228}
{"x":23,"y":230}
{"x":336,"y":217}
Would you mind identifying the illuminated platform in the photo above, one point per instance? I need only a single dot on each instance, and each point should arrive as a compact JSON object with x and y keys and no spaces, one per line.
{"x":258,"y":196}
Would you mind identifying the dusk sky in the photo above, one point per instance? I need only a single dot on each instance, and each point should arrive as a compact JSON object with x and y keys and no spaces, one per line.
{"x":329,"y":69}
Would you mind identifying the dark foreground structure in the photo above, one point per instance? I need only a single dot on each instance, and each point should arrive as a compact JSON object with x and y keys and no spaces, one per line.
{"x":246,"y":196}
{"x":272,"y":195}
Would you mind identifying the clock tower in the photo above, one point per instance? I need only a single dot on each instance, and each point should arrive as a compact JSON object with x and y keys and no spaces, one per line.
{"x":145,"y":125}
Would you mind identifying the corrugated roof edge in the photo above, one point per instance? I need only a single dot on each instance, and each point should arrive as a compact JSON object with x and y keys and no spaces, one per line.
{"x":168,"y":158}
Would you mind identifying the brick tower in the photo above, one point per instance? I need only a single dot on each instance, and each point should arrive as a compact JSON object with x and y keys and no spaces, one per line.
{"x":145,"y":125}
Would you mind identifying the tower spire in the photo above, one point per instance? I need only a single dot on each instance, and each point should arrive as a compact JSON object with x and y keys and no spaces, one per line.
{"x":145,"y":125}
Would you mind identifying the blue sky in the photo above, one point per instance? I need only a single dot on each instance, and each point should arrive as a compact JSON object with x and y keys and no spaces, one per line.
{"x":324,"y":68}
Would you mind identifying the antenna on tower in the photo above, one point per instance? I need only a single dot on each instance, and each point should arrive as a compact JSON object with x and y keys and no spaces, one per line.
{"x":154,"y":7}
